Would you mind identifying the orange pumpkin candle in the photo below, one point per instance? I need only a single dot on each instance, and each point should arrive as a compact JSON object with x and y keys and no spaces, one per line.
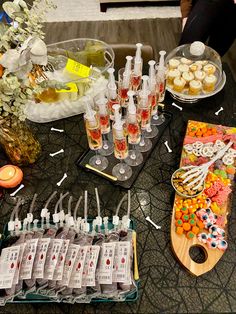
{"x":10,"y":176}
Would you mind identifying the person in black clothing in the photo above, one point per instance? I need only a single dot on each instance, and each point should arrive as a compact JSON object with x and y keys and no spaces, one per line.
{"x":211,"y":21}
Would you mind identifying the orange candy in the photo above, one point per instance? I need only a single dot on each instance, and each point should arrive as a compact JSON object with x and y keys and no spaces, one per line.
{"x":200,"y":224}
{"x":179,"y":230}
{"x":178,"y":215}
{"x":230,"y":170}
{"x":186,"y":226}
{"x":178,"y":223}
{"x":195,"y":229}
{"x":184,"y":210}
{"x":190,"y":235}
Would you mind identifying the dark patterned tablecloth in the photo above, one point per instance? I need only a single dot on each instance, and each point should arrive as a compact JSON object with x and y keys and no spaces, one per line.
{"x":165,"y":287}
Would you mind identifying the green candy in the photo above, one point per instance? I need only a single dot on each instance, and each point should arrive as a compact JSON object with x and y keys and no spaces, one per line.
{"x":223,"y":174}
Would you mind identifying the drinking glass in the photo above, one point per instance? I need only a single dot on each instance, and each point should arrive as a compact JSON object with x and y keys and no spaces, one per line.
{"x":94,"y":136}
{"x":122,"y":171}
{"x":124,"y":84}
{"x":144,"y":116}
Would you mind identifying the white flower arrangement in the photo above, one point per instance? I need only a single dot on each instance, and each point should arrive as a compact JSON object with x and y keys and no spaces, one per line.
{"x":22,"y":52}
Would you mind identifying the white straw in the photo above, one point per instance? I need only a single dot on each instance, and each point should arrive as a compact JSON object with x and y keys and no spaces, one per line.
{"x":85,"y":206}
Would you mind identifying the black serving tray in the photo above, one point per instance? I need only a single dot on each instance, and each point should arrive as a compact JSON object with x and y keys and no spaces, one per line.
{"x":83,"y":160}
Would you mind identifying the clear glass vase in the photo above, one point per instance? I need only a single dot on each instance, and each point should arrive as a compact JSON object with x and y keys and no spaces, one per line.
{"x":18,"y":142}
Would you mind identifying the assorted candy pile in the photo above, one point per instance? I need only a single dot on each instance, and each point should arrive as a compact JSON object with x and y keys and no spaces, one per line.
{"x":205,"y":216}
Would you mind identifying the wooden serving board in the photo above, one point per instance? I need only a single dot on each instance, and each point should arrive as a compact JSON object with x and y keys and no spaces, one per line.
{"x":180,"y":243}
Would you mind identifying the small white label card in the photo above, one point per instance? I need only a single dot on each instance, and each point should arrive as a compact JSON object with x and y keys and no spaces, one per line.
{"x":28,"y":259}
{"x":52,"y":258}
{"x":8,"y":264}
{"x":58,"y":273}
{"x":121,"y":269}
{"x":40,"y":258}
{"x":69,"y":263}
{"x":106,"y":259}
{"x":17,"y":273}
{"x":77,"y":272}
{"x":90,"y":266}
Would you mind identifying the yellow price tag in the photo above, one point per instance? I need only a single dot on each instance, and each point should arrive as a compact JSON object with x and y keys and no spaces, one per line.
{"x":77,"y":68}
{"x":72,"y":86}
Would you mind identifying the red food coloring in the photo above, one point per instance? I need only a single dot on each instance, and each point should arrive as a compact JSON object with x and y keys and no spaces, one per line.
{"x":69,"y":264}
{"x":104,"y":120}
{"x":54,"y":257}
{"x":108,"y":262}
{"x":123,"y":260}
{"x":121,"y":145}
{"x":29,"y":257}
{"x":79,"y":266}
{"x":133,"y":129}
{"x":12,"y":265}
{"x":95,"y":134}
{"x":123,"y":93}
{"x":91,"y":264}
{"x":41,"y":257}
{"x":136,"y":80}
{"x":61,"y":258}
{"x":145,"y":114}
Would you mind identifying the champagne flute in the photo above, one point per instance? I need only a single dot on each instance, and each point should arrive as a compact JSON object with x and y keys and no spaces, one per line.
{"x":144,"y":116}
{"x":137,"y":69}
{"x":134,"y":158}
{"x":94,"y":136}
{"x":107,"y":146}
{"x":122,"y":171}
{"x":158,"y":119}
{"x":124,"y":81}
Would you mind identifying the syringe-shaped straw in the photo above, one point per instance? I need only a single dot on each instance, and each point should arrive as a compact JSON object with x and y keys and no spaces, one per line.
{"x":127,"y":72}
{"x":145,"y":89}
{"x":111,"y":79}
{"x":152,"y":73}
{"x":118,"y":125}
{"x":131,"y":107}
{"x":131,"y":94}
{"x":111,"y":86}
{"x":138,"y":60}
{"x":90,"y":114}
{"x":102,"y":106}
{"x":161,"y":65}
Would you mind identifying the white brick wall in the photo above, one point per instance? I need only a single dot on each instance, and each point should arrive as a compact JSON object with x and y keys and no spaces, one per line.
{"x":89,"y":10}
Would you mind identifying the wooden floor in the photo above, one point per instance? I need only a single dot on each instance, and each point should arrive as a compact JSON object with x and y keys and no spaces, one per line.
{"x":160,"y":33}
